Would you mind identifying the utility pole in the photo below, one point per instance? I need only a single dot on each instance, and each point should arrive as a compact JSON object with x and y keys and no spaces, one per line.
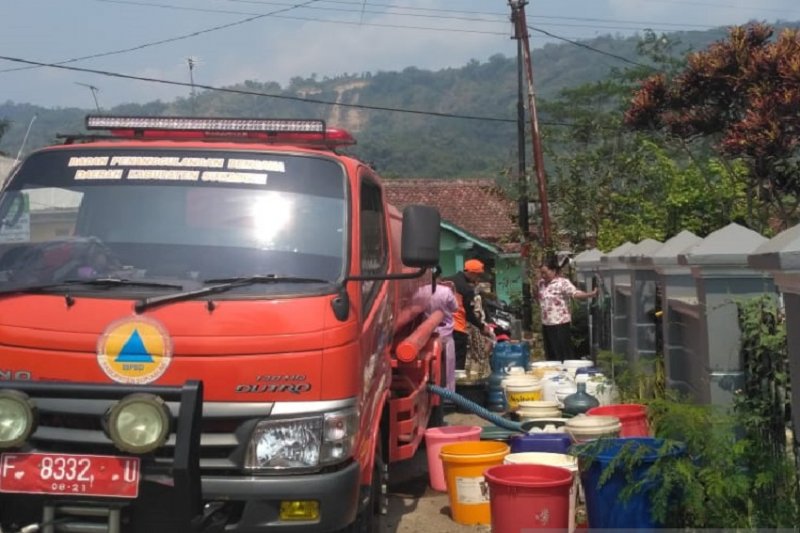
{"x":536,"y":138}
{"x":94,"y":90}
{"x":192,"y":62}
{"x":522,"y":182}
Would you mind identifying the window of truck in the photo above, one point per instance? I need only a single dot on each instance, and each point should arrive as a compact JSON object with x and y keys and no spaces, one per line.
{"x":172,"y":216}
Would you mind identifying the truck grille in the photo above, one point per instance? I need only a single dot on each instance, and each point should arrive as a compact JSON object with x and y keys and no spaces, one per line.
{"x":76,"y":426}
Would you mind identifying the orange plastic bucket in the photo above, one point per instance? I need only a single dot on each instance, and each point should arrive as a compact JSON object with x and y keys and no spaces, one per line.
{"x":632,"y":416}
{"x":464,"y":464}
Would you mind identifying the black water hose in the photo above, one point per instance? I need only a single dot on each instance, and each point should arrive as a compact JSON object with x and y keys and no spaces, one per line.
{"x":475,"y":408}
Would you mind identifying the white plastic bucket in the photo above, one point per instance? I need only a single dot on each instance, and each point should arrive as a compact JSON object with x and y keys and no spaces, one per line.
{"x":538,"y":368}
{"x":551,"y":384}
{"x":563,"y":391}
{"x":572,"y":365}
{"x":583,"y":428}
{"x":538,"y":409}
{"x":601,"y":388}
{"x":552,"y":459}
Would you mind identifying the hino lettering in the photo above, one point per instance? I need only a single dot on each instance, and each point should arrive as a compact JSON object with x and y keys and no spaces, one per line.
{"x":14,"y":375}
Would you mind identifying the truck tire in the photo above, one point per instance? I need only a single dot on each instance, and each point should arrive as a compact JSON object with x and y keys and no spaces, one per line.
{"x":371,"y":517}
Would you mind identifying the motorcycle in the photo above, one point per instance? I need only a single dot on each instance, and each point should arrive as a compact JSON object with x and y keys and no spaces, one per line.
{"x":500,"y":319}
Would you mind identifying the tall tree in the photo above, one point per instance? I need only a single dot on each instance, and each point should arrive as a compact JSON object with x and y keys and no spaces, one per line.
{"x":614,"y":185}
{"x":742,"y":94}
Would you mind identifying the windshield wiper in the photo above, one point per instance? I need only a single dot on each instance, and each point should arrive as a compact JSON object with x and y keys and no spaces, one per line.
{"x":225,"y":284}
{"x":100,"y":282}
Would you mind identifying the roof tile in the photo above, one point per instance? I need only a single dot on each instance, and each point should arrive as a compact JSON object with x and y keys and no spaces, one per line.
{"x":477,"y":206}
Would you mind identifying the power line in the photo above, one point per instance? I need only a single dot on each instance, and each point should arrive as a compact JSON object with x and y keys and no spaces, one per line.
{"x":727,"y":6}
{"x":592,"y":48}
{"x":177,"y":38}
{"x":268,"y":95}
{"x":360,"y":9}
{"x":256,"y":16}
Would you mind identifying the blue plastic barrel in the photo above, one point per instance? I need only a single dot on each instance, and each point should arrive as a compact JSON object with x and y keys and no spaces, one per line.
{"x":541,"y":442}
{"x":507,"y":354}
{"x":605,"y":507}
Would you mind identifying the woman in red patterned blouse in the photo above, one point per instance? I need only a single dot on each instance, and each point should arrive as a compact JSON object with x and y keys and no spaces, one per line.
{"x":554,"y":293}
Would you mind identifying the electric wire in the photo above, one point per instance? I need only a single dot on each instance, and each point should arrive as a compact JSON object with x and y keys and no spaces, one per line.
{"x":593,"y":49}
{"x":255,"y":16}
{"x":359,"y":10}
{"x":176,"y":38}
{"x":261,"y":94}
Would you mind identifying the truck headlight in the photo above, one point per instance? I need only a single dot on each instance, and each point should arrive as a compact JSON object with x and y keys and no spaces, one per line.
{"x":17,"y":418}
{"x":138,"y":423}
{"x":303,"y":442}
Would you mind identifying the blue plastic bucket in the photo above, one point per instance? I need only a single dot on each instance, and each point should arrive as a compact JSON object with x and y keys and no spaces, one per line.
{"x":605,"y":506}
{"x":541,"y":442}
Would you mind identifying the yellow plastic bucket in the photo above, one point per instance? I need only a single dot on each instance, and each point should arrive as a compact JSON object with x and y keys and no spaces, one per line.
{"x":522,"y":391}
{"x":464,"y":464}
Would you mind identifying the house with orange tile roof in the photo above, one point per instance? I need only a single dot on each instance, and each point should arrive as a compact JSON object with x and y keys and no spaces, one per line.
{"x":478,"y":221}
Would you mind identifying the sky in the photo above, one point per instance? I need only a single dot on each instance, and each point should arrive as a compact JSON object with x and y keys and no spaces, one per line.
{"x":223,"y":42}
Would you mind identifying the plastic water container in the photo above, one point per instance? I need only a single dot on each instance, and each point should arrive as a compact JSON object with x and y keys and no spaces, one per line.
{"x":523,"y":388}
{"x":538,"y":409}
{"x":572,"y":365}
{"x":505,"y":354}
{"x":464,"y":467}
{"x":632,"y":416}
{"x":538,"y":368}
{"x":550,"y":385}
{"x":601,"y":388}
{"x":543,"y":492}
{"x":553,"y":459}
{"x":584,"y":428}
{"x":540,"y":442}
{"x":563,"y":391}
{"x":604,"y":504}
{"x":435,"y":438}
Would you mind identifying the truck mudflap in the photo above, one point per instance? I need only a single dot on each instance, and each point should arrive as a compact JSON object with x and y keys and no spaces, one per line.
{"x":411,"y":404}
{"x":79,"y":490}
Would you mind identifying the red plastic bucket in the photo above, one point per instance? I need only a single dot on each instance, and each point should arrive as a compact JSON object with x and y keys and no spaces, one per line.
{"x":632,"y":416}
{"x":435,"y":438}
{"x":528,"y":496}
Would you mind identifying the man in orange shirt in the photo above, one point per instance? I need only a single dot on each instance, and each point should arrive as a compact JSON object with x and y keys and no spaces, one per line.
{"x":465,"y":282}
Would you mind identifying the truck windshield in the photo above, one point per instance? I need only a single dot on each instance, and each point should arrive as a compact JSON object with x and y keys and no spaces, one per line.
{"x":171,"y":217}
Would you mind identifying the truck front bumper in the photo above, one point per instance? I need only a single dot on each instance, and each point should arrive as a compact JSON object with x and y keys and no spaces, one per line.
{"x":252,"y":504}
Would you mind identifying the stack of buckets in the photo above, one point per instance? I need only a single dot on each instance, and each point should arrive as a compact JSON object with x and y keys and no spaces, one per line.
{"x":485,"y":489}
{"x":490,"y":483}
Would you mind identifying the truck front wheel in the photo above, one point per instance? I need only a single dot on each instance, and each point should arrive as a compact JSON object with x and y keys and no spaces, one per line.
{"x":371,"y":516}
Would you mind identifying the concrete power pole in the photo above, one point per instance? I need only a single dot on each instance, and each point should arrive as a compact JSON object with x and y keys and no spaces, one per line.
{"x":522,"y":182}
{"x":518,"y":7}
{"x":192,"y":62}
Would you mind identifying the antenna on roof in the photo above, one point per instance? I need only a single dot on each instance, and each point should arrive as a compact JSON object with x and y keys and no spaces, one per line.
{"x":94,"y":90}
{"x":25,"y":139}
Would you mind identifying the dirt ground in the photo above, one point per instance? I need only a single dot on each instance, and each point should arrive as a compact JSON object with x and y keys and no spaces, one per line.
{"x":414,"y":507}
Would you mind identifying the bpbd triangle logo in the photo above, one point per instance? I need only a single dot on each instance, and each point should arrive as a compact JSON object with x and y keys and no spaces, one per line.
{"x":134,"y":350}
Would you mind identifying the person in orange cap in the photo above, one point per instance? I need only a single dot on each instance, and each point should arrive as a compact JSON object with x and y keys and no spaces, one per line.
{"x":465,"y":282}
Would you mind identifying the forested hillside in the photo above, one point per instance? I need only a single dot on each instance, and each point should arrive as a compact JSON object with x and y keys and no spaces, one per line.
{"x":396,"y":143}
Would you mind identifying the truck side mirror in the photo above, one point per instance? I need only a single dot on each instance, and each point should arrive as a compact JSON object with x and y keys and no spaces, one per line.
{"x":420,"y":241}
{"x":12,"y":208}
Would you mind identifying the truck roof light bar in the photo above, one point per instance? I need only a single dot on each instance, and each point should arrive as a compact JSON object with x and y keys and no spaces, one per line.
{"x":243,"y":125}
{"x":310,"y":132}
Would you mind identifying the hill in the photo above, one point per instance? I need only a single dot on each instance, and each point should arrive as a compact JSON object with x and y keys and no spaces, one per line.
{"x":397,"y":144}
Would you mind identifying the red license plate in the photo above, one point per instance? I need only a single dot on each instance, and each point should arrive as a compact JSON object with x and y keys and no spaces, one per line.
{"x":78,"y":475}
